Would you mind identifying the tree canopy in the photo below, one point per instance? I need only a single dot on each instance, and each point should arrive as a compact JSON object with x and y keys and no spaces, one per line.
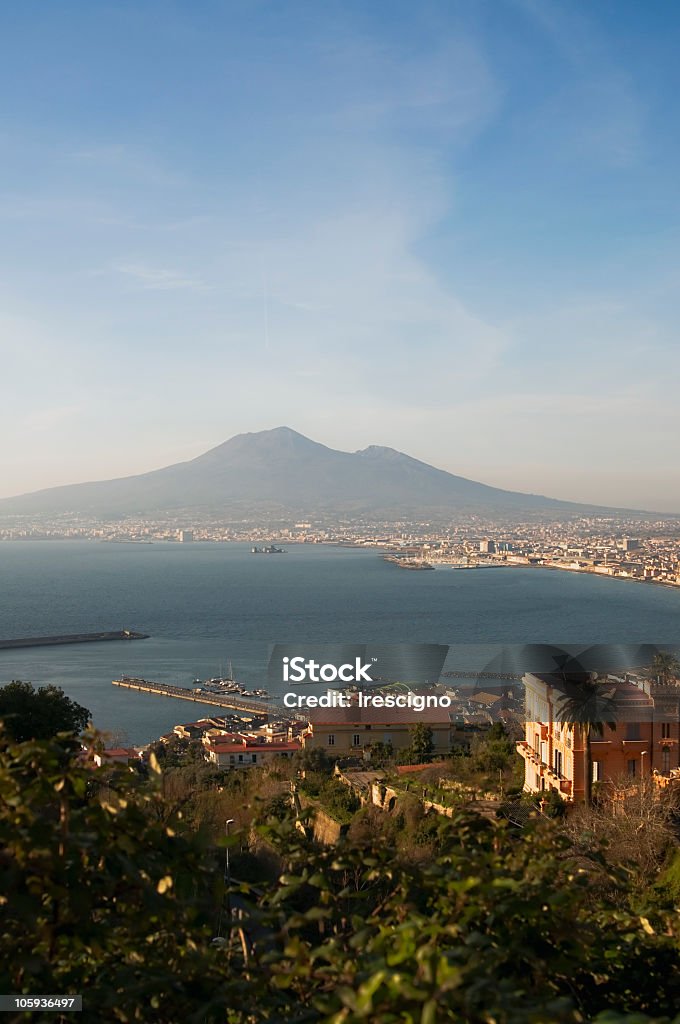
{"x":101,"y":896}
{"x":30,"y":714}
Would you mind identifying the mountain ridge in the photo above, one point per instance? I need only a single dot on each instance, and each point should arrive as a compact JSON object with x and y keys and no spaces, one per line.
{"x":285,"y":468}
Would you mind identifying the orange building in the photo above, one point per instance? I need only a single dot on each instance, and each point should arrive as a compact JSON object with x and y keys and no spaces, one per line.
{"x":645,"y":740}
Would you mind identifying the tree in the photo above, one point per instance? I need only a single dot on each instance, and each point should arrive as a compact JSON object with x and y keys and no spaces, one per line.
{"x":30,"y":714}
{"x":588,"y":707}
{"x":421,"y":748}
{"x":100,"y":897}
{"x":665,"y":667}
{"x":380,"y":753}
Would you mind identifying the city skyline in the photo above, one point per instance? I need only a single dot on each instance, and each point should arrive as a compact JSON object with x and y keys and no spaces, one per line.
{"x":452,"y":231}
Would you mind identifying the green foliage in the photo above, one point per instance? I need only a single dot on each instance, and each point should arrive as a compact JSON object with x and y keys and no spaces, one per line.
{"x":496,"y":927}
{"x":381,"y":753}
{"x":335,"y":797}
{"x":494,"y":751}
{"x":178,"y":752}
{"x":421,"y":747}
{"x":30,"y":714}
{"x":667,"y":886}
{"x":100,"y":897}
{"x":314,"y":759}
{"x":665,"y":666}
{"x":552,"y":804}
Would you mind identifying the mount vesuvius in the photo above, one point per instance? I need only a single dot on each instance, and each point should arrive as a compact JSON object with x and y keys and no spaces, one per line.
{"x":283,"y":469}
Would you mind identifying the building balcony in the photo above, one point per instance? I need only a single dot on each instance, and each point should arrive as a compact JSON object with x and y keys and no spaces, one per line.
{"x":526,"y":751}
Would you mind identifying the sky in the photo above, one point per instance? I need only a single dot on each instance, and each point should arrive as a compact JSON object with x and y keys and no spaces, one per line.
{"x":452,"y":228}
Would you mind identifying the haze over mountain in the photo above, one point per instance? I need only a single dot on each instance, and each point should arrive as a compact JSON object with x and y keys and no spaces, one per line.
{"x":282,"y":468}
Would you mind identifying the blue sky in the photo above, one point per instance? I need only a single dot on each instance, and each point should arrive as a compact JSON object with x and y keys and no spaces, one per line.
{"x":452,"y":228}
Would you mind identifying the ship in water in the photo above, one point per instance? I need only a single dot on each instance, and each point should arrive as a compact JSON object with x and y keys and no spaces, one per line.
{"x":270,"y":550}
{"x":407,"y":562}
{"x":227,"y":685}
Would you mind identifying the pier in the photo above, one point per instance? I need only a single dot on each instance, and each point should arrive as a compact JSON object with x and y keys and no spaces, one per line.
{"x":220,"y":700}
{"x":74,"y":638}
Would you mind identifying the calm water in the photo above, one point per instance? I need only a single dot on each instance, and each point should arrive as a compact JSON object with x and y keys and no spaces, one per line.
{"x":206,"y":604}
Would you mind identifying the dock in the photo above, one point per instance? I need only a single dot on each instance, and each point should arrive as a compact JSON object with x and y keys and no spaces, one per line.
{"x":72,"y":638}
{"x":220,"y":700}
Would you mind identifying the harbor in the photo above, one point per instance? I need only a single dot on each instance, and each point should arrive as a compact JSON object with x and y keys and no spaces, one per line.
{"x":221,"y":700}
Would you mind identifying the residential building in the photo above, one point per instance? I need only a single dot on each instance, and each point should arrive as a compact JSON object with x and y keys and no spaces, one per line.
{"x":116,"y":755}
{"x":645,"y":739}
{"x":236,"y":753}
{"x":341,"y":731}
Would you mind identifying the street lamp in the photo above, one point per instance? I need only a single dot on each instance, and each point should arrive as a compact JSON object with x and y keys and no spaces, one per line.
{"x":227,"y":876}
{"x":219,"y":940}
{"x":642,"y":778}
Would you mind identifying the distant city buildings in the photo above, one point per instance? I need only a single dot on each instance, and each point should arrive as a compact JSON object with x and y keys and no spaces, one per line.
{"x":617,"y":545}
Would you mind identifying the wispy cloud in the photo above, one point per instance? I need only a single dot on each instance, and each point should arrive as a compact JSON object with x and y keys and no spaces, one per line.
{"x":160,"y":279}
{"x":126,"y":160}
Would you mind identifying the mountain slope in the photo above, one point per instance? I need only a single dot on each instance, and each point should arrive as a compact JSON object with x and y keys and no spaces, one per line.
{"x":280,"y":468}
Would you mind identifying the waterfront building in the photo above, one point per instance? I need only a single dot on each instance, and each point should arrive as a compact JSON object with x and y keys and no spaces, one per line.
{"x":645,"y":740}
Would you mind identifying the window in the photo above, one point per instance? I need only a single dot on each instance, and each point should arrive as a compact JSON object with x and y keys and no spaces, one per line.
{"x":597,"y":771}
{"x":254,"y":758}
{"x":631,"y":768}
{"x":331,"y":739}
{"x":665,"y":730}
{"x":356,"y":740}
{"x":666,"y":761}
{"x":558,"y":762}
{"x":240,"y":758}
{"x":367,"y":728}
{"x":633,"y":731}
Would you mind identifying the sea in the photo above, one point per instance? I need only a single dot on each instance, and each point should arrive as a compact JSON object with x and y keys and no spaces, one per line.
{"x":207,"y":606}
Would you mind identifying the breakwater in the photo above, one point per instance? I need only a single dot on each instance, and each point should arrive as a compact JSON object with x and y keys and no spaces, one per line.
{"x":72,"y":638}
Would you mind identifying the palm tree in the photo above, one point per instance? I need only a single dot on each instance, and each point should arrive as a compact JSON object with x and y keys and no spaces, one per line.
{"x":665,"y":667}
{"x":588,"y":707}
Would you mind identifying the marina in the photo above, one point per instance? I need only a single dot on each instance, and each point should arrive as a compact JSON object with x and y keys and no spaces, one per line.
{"x":223,"y":699}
